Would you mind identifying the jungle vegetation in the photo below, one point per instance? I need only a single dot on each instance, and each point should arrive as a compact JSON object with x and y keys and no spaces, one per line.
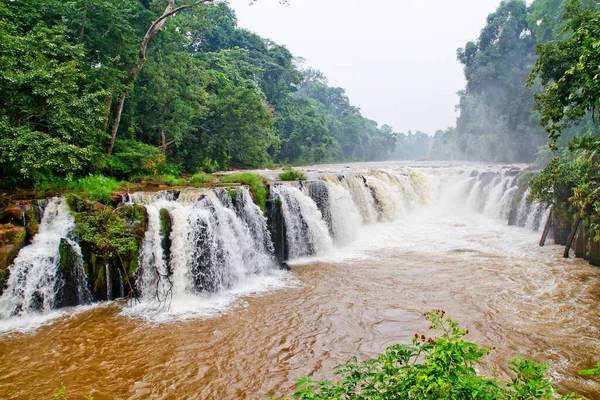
{"x":132,"y":88}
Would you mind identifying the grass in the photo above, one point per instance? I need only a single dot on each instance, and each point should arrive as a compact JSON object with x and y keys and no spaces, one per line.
{"x":169,"y":180}
{"x":200,"y":178}
{"x":254,"y":181}
{"x":95,"y":187}
{"x":291,"y":174}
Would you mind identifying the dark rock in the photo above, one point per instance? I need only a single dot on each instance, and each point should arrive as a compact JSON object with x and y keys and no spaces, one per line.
{"x":594,"y":253}
{"x":276,"y":226}
{"x":284,"y":266}
{"x":474,"y":174}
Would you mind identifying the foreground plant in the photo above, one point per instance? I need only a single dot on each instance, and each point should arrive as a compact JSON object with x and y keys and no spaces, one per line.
{"x":430,"y":368}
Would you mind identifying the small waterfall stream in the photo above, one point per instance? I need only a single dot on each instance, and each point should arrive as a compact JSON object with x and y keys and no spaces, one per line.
{"x":34,"y":277}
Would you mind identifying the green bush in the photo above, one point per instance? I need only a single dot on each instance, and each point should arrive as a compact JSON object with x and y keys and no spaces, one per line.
{"x":254,"y":181}
{"x":200,"y":178}
{"x":431,"y":368}
{"x":135,"y":158}
{"x":292,"y":175}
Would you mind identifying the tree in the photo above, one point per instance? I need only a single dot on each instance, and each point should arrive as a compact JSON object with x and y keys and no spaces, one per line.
{"x":152,"y":31}
{"x":568,"y":70}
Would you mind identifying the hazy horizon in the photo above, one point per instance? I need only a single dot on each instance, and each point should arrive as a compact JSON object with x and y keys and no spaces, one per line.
{"x":396,"y":60}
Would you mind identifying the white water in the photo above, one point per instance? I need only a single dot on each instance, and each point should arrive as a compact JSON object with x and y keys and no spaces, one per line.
{"x":219,"y":249}
{"x":34,"y":280}
{"x":306,"y":232}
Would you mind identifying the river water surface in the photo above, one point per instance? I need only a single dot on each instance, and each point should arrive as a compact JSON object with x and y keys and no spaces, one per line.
{"x":494,"y":279}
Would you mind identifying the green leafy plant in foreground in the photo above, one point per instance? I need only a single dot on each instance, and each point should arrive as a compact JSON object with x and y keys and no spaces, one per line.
{"x":430,"y":368}
{"x":292,"y":175}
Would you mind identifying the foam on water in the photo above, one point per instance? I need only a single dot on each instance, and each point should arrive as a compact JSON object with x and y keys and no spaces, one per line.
{"x":206,"y":305}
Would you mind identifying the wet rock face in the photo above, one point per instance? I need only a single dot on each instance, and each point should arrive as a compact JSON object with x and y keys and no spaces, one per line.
{"x":12,"y":239}
{"x":276,"y":226}
{"x":13,"y":214}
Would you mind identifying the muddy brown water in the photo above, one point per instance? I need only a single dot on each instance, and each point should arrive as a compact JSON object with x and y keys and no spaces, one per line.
{"x":513,"y":296}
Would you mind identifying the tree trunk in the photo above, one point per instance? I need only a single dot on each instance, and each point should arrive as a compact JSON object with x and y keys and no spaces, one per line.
{"x":546,"y":229}
{"x":150,"y":34}
{"x":571,"y":237}
{"x":115,"y":127}
{"x":164,"y":140}
{"x":82,"y":29}
{"x":108,"y":104}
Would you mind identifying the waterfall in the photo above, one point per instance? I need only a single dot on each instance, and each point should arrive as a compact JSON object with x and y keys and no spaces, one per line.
{"x":219,"y":238}
{"x":362,"y":196}
{"x":34,"y":276}
{"x":306,"y":232}
{"x":204,"y":241}
{"x":386,"y":203}
{"x":109,"y":292}
{"x":83,"y":293}
{"x":345,"y":217}
{"x":154,"y":272}
{"x":493,"y":204}
{"x":252,"y":217}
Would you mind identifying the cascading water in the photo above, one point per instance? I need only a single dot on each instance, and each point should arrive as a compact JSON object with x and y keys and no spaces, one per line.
{"x":215,"y":242}
{"x":306,"y":232}
{"x":210,"y":240}
{"x":345,"y":216}
{"x":34,"y":277}
{"x":153,"y":274}
{"x":82,"y":290}
{"x":362,"y":196}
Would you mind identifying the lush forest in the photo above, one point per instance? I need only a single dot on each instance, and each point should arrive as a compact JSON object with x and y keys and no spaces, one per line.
{"x":499,"y":118}
{"x":131,"y":88}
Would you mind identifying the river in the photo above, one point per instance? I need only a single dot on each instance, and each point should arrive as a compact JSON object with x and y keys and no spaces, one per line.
{"x":253,"y":340}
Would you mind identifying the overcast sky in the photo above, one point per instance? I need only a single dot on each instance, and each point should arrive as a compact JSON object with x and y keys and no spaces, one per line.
{"x":395,"y":58}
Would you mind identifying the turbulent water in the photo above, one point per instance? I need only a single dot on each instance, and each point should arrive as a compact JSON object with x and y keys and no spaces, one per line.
{"x":372,"y":247}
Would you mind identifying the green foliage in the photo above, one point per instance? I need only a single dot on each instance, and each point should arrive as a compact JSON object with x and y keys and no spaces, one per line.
{"x":165,"y":222}
{"x":170,"y":180}
{"x":496,"y":121}
{"x":254,"y":181}
{"x":591,"y":371}
{"x":93,"y":187}
{"x":568,"y":71}
{"x":132,"y":158}
{"x":430,"y":368}
{"x":211,"y":96}
{"x":571,"y":183}
{"x":291,"y":174}
{"x":200,"y":178}
{"x":60,"y":395}
{"x":114,"y":235}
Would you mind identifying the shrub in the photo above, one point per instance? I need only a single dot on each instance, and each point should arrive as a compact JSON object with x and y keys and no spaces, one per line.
{"x":254,"y":181}
{"x":200,"y":178}
{"x":292,"y":175}
{"x":135,"y":158}
{"x":430,"y":368}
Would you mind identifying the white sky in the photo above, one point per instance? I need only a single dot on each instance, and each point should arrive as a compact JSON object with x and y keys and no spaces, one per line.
{"x":395,"y":58}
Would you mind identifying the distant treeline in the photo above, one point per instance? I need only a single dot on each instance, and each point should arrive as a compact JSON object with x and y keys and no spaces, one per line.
{"x":210,"y":95}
